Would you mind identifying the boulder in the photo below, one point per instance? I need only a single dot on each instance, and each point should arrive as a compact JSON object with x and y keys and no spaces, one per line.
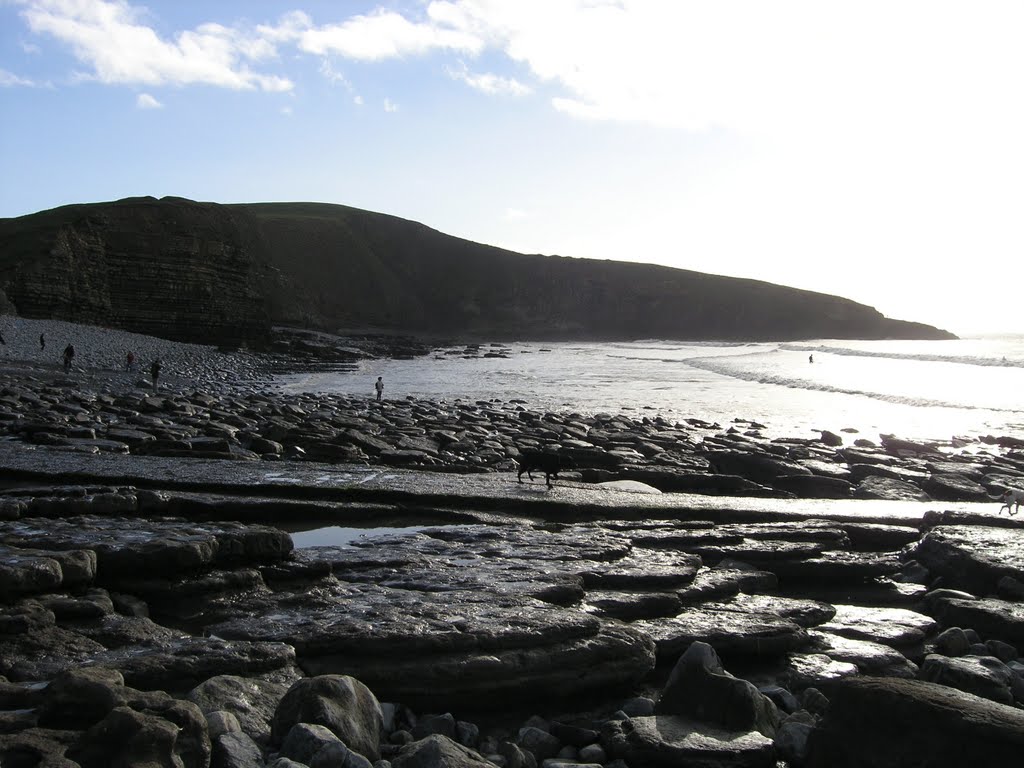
{"x":340,"y":703}
{"x":984,"y":676}
{"x":700,"y":689}
{"x":252,"y":701}
{"x":892,"y":723}
{"x":438,"y":752}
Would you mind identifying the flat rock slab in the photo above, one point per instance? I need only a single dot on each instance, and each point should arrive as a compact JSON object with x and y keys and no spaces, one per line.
{"x":31,"y":571}
{"x":804,"y":613}
{"x":668,"y":741}
{"x":811,"y":670}
{"x":140,"y":548}
{"x":727,"y":579}
{"x":972,"y":557}
{"x":730,"y":633}
{"x":614,"y":659}
{"x":476,"y":644}
{"x":835,"y":568}
{"x":630,"y":606}
{"x":896,"y":627}
{"x":870,"y":658}
{"x":344,"y":482}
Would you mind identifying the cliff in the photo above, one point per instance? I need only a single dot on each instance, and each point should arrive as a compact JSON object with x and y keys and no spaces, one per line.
{"x":226,"y":273}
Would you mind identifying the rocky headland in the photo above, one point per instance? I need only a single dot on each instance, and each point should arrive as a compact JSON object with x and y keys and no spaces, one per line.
{"x":689,"y":594}
{"x":204,"y":272}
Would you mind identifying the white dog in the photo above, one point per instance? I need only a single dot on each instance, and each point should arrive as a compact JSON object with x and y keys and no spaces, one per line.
{"x":1011,"y":497}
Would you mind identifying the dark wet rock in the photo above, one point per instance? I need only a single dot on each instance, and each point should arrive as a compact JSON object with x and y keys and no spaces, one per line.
{"x":730,"y":633}
{"x":304,"y":741}
{"x":953,"y":642}
{"x":24,"y":572}
{"x":891,"y":723}
{"x":878,"y":537}
{"x":802,"y":612}
{"x":860,"y":472}
{"x":984,"y":676}
{"x":630,"y":606}
{"x":954,"y":487}
{"x":992,"y":618}
{"x":438,"y":750}
{"x":38,"y":746}
{"x":176,"y":664}
{"x":889,"y":489}
{"x":251,"y":700}
{"x":669,"y":741}
{"x":340,"y":704}
{"x":759,"y":467}
{"x":869,"y":657}
{"x":127,"y":736}
{"x":814,"y":486}
{"x":144,"y":548}
{"x":972,"y":557}
{"x":700,"y":689}
{"x":896,"y":627}
{"x":643,"y":569}
{"x":234,"y":750}
{"x":680,"y":480}
{"x":80,"y":698}
{"x":908,"y":448}
{"x":834,"y":568}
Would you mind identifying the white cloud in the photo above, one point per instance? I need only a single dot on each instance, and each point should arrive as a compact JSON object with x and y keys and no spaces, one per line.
{"x":10,"y":80}
{"x":488,"y":82}
{"x":357,"y":100}
{"x":380,"y":35}
{"x":109,"y":37}
{"x":145,"y":101}
{"x":390,"y":106}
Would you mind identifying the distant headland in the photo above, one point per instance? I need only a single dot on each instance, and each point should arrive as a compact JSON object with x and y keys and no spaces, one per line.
{"x":208,"y":272}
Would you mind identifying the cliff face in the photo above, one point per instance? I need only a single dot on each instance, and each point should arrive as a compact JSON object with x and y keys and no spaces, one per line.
{"x":207,"y":272}
{"x":166,"y":268}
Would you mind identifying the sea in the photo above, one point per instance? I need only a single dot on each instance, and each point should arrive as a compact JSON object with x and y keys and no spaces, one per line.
{"x":917,"y":390}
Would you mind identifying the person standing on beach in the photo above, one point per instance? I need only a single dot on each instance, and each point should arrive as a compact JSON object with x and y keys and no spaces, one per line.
{"x":42,"y":342}
{"x":154,"y":371}
{"x":69,"y":355}
{"x":379,"y":386}
{"x":129,"y":361}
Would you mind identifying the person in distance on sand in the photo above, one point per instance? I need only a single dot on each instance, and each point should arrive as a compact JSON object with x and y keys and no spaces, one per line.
{"x":69,"y":356}
{"x":154,"y":371}
{"x":379,"y":386}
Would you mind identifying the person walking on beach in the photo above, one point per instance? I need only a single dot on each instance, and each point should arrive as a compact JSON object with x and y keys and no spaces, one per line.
{"x":379,"y":386}
{"x":42,"y":342}
{"x":69,"y":355}
{"x":129,"y":362}
{"x":154,"y":371}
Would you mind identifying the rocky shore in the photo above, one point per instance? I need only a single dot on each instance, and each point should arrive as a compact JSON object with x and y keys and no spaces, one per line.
{"x":691,"y":594}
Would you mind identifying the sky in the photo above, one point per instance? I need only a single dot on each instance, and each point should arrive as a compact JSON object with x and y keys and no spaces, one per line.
{"x":872,"y":150}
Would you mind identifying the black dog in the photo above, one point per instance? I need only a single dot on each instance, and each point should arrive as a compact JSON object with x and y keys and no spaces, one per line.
{"x":548,"y":463}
